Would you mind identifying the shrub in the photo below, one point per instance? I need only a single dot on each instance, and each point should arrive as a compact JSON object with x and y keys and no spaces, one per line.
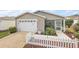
{"x":70,"y":30}
{"x":50,"y":31}
{"x":76,"y":27}
{"x":77,"y":34}
{"x":12,"y":29}
{"x":69,"y":22}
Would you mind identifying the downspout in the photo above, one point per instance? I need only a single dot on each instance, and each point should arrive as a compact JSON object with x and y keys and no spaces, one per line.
{"x":16,"y":24}
{"x":64,"y":25}
{"x":45,"y":24}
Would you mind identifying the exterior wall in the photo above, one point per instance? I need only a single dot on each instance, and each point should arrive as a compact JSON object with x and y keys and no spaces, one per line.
{"x":49,"y":16}
{"x":75,"y":21}
{"x":40,"y":21}
{"x":53,"y":17}
{"x":6,"y":24}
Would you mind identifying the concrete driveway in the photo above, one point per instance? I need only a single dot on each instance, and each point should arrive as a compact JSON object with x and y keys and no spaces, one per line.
{"x":16,"y":40}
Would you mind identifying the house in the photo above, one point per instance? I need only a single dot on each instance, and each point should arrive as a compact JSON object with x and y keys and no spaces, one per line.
{"x":34,"y":22}
{"x":6,"y":22}
{"x":75,"y":18}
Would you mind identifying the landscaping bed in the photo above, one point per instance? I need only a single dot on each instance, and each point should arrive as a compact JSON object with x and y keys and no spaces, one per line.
{"x":7,"y":32}
{"x":70,"y":35}
{"x":73,"y":32}
{"x":48,"y":31}
{"x":33,"y":46}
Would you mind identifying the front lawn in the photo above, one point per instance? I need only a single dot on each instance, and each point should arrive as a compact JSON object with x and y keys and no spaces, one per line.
{"x":4,"y":33}
{"x":7,"y":32}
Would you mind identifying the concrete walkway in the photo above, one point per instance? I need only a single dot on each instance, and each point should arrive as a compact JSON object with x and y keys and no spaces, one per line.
{"x":16,"y":40}
{"x":62,"y":35}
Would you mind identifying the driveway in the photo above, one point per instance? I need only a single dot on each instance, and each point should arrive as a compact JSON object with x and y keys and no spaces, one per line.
{"x":16,"y":40}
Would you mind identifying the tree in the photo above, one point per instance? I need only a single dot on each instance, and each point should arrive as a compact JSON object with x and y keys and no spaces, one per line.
{"x":69,"y":22}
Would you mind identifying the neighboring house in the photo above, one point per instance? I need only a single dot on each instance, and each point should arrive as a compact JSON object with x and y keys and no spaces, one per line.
{"x":6,"y":23}
{"x":75,"y":18}
{"x":34,"y":22}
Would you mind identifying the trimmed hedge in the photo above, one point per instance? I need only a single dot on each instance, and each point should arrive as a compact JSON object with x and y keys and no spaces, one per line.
{"x":12,"y":29}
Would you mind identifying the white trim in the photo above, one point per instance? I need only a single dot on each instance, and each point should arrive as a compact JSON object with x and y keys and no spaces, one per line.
{"x":64,"y":25}
{"x":58,"y":26}
{"x":55,"y":24}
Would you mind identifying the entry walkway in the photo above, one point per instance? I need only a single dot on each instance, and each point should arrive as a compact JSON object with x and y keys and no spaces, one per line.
{"x":62,"y":35}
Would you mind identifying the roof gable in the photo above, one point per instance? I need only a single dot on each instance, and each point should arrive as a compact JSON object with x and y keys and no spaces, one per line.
{"x":48,"y":13}
{"x":31,"y":14}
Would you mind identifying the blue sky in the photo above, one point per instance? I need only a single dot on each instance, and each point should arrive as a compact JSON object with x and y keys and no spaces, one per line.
{"x":18,"y":12}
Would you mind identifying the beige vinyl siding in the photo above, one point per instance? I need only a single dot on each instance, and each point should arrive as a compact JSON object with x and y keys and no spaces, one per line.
{"x":6,"y":24}
{"x":49,"y":16}
{"x":10,"y":24}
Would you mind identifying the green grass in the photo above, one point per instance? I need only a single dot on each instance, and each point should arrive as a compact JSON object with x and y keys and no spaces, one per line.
{"x":4,"y":33}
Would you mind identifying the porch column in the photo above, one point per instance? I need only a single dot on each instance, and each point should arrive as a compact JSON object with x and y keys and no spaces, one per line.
{"x":64,"y":25}
{"x":61,"y":25}
{"x":55,"y":24}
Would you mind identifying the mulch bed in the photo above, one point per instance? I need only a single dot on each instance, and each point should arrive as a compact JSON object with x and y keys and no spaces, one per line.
{"x":33,"y":46}
{"x":70,"y":35}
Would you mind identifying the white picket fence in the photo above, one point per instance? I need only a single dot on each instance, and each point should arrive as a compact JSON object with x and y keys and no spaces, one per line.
{"x":51,"y":41}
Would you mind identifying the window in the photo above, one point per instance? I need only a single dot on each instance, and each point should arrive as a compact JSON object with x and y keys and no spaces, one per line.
{"x":49,"y":23}
{"x":58,"y":23}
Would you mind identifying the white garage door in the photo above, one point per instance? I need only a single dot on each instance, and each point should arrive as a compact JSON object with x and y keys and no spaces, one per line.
{"x":29,"y":25}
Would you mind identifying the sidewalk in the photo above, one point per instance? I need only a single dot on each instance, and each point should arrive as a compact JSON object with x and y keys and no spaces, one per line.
{"x":62,"y":35}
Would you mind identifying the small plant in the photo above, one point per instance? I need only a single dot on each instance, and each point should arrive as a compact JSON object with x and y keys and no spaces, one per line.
{"x":77,"y":34}
{"x":76,"y":27}
{"x":12,"y":29}
{"x":50,"y":31}
{"x":70,"y":30}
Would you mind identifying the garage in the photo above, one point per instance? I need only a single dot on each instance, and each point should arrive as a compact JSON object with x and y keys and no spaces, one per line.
{"x":29,"y":22}
{"x":28,"y":25}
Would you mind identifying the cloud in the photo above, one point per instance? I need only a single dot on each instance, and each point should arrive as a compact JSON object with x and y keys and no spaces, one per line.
{"x":71,"y":12}
{"x":13,"y":12}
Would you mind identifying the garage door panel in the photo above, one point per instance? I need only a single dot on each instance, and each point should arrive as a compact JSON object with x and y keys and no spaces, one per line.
{"x":29,"y":26}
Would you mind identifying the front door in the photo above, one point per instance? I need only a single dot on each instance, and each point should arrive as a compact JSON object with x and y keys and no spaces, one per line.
{"x":58,"y":25}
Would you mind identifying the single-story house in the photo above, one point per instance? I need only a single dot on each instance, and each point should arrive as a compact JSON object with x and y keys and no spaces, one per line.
{"x":6,"y":22}
{"x":34,"y":22}
{"x":75,"y":18}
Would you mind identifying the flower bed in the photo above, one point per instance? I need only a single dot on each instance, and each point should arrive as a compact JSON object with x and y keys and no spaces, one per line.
{"x":73,"y":32}
{"x":49,"y":31}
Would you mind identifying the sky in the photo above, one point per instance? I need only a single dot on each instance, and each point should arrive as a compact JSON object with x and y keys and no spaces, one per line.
{"x":18,"y":12}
